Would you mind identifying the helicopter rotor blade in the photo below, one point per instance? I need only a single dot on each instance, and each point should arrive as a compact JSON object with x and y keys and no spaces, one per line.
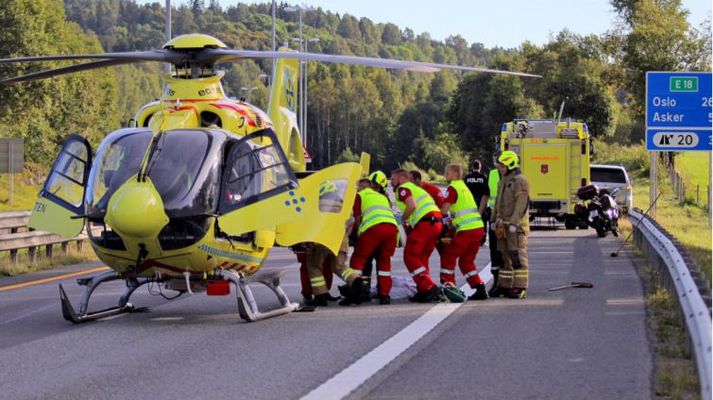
{"x":64,"y":70}
{"x":169,"y":56}
{"x":226,"y":55}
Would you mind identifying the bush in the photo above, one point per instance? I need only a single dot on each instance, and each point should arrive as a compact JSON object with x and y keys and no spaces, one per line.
{"x":634,"y":158}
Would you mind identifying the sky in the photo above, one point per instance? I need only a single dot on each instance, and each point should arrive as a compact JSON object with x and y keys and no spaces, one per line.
{"x":504,"y":23}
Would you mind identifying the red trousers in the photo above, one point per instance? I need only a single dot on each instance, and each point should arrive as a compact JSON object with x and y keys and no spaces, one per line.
{"x":419,"y":245}
{"x":464,"y":247}
{"x":304,"y":276}
{"x":379,"y":241}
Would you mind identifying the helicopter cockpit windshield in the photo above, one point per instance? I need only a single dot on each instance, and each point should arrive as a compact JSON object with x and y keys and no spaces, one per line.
{"x":184,"y":167}
{"x":118,"y":159}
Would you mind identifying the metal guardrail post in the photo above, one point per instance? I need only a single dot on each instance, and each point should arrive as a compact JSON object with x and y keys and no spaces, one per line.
{"x":659,"y":248}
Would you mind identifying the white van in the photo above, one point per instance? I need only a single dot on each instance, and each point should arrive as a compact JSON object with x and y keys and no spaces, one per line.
{"x":611,"y":177}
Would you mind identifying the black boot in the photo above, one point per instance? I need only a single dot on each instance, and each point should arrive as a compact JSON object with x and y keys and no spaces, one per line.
{"x":480,"y":293}
{"x":428,"y":296}
{"x":517,"y":294}
{"x":353,"y":293}
{"x":385,"y":299}
{"x":497,"y":292}
{"x":319,"y":300}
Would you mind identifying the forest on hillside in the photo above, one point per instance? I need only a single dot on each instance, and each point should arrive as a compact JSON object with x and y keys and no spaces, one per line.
{"x":429,"y":119}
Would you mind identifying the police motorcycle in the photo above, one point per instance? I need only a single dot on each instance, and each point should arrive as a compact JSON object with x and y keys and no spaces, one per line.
{"x":600,"y":211}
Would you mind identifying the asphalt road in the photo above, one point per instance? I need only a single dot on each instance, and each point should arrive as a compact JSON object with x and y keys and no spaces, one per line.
{"x":568,"y":344}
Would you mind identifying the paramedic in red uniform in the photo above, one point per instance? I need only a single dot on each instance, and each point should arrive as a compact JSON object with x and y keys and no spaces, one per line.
{"x":377,"y":233}
{"x":470,"y":230}
{"x":422,"y":220}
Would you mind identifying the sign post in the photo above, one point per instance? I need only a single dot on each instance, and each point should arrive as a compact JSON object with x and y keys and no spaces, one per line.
{"x":679,"y":116}
{"x":11,"y":160}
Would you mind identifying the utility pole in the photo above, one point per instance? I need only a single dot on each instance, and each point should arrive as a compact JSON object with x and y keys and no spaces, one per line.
{"x":168,"y":30}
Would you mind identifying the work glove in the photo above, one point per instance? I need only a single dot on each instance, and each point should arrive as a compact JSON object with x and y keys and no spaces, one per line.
{"x":512,"y":229}
{"x":494,"y":226}
{"x":500,"y":232}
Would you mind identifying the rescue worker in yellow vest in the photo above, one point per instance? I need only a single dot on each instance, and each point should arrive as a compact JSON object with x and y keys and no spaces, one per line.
{"x":317,"y":255}
{"x":496,"y":260}
{"x":423,"y":222}
{"x":377,"y":233}
{"x":511,"y":223}
{"x":470,"y":231}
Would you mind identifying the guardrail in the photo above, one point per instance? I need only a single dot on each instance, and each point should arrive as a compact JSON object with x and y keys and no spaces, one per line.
{"x":15,"y":235}
{"x":682,"y":276}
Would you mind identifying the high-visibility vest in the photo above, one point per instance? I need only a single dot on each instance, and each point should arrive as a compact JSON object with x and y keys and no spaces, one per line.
{"x":464,"y":213}
{"x":424,"y":202}
{"x":375,"y":210}
{"x":493,"y":180}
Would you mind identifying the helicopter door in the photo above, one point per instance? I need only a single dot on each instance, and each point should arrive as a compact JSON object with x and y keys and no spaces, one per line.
{"x":257,"y":182}
{"x":62,"y":196}
{"x":328,"y":199}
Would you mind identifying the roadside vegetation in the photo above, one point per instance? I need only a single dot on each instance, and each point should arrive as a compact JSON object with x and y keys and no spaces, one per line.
{"x":687,"y":221}
{"x":675,"y":373}
{"x":23,"y":264}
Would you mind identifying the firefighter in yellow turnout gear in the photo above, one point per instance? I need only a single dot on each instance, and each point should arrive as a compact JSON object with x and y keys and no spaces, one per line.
{"x":511,"y":223}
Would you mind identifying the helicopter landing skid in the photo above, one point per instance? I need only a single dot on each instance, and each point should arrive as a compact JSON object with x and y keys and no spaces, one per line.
{"x":247,"y":307}
{"x":89,"y":285}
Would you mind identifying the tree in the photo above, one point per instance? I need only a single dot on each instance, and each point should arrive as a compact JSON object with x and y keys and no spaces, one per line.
{"x":660,"y":40}
{"x":481,"y":104}
{"x":44,"y":112}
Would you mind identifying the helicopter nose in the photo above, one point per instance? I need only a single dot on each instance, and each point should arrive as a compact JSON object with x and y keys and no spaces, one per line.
{"x":136,"y":210}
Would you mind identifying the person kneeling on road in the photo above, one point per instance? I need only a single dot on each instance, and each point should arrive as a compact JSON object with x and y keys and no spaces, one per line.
{"x":423,"y":222}
{"x":377,"y":233}
{"x":470,"y":231}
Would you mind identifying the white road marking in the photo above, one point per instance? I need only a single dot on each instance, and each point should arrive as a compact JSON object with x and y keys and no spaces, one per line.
{"x":349,"y":379}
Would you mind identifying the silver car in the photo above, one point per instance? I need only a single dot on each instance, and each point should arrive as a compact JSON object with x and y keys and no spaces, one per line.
{"x":612,"y":177}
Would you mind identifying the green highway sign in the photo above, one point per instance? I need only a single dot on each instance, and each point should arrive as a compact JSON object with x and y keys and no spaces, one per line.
{"x":683,"y":84}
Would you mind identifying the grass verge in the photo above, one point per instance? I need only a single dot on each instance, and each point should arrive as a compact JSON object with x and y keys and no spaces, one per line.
{"x":23,"y":264}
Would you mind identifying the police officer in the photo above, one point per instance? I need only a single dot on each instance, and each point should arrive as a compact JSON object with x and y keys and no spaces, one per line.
{"x":470,"y":231}
{"x":423,"y":220}
{"x":377,"y":233}
{"x":511,"y":223}
{"x":477,"y":183}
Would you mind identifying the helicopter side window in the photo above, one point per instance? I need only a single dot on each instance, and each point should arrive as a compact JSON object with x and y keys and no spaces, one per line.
{"x":255,"y":171}
{"x":331,"y":195}
{"x":117,"y":160}
{"x":67,"y":178}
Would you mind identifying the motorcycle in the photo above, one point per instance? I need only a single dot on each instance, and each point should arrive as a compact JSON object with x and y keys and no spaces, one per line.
{"x":601,"y":213}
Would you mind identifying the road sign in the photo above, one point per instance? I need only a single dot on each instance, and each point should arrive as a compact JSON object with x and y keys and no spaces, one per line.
{"x":679,"y":111}
{"x":11,"y":155}
{"x":675,"y":140}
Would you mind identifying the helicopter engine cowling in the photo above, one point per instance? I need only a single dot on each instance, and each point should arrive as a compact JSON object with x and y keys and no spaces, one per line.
{"x":136,"y":210}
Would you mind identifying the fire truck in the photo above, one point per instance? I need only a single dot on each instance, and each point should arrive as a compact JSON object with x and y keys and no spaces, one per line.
{"x":554,"y":156}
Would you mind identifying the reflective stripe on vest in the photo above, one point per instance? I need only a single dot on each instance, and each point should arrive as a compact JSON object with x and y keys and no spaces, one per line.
{"x":465,"y":211}
{"x":493,"y":180}
{"x":375,"y":210}
{"x":424,"y":202}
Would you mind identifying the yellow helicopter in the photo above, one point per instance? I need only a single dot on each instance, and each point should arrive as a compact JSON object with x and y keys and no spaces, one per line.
{"x":196,"y":192}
